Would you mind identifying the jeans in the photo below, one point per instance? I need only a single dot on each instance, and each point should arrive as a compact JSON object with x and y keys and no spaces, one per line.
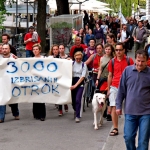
{"x":2,"y":112}
{"x":29,"y":53}
{"x":131,"y":126}
{"x":76,"y":95}
{"x":14,"y":109}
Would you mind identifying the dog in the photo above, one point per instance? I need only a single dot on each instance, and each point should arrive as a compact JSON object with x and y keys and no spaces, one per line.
{"x":99,"y":105}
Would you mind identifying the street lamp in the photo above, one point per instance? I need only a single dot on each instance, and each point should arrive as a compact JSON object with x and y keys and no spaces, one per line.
{"x":80,"y":3}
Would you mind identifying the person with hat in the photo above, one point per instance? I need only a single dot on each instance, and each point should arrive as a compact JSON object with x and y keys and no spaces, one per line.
{"x":30,"y":39}
{"x":139,"y":35}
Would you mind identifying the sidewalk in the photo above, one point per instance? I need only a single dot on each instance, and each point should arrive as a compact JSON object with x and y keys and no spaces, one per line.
{"x":117,"y":142}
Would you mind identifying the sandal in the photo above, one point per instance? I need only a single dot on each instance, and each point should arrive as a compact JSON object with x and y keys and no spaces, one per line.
{"x":114,"y":132}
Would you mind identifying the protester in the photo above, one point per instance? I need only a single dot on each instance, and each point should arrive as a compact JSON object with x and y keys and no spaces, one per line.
{"x":105,"y":30}
{"x":111,"y":39}
{"x":39,"y":109}
{"x":62,"y":55}
{"x":115,"y":71}
{"x":5,"y":40}
{"x":130,"y":28}
{"x":14,"y":107}
{"x":30,"y":41}
{"x":123,"y":37}
{"x":79,"y":72}
{"x":90,"y":51}
{"x":72,"y":37}
{"x":114,"y":26}
{"x":86,"y":18}
{"x":139,"y":34}
{"x":1,"y":53}
{"x":54,"y":51}
{"x":88,"y":37}
{"x":91,"y":21}
{"x":81,"y":35}
{"x":95,"y":59}
{"x":99,"y":20}
{"x":101,"y":81}
{"x":86,"y":29}
{"x":146,"y":24}
{"x":98,"y":34}
{"x":77,"y":47}
{"x":134,"y":89}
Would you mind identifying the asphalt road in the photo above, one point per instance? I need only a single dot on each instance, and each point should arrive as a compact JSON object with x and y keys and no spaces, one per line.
{"x":55,"y":133}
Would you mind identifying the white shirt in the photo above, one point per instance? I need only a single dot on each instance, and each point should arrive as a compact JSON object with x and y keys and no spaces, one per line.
{"x":123,"y":36}
{"x":78,"y":70}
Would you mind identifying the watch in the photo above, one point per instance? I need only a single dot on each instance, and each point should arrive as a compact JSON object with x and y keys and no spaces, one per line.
{"x":97,"y":79}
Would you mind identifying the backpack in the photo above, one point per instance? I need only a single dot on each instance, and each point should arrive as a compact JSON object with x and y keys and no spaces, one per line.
{"x":112,"y":61}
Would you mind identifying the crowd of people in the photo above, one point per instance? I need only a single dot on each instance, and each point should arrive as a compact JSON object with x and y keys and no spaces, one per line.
{"x":101,"y":46}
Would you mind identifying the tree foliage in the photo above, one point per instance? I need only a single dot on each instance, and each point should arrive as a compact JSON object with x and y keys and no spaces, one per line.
{"x":125,"y":4}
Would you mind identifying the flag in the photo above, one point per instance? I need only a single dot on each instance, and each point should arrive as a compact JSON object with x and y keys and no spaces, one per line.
{"x":121,"y":17}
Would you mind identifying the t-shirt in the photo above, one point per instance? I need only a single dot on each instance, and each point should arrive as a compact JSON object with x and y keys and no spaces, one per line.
{"x":119,"y":67}
{"x":96,"y":63}
{"x":105,"y":28}
{"x":30,"y":43}
{"x":73,"y":48}
{"x":78,"y":70}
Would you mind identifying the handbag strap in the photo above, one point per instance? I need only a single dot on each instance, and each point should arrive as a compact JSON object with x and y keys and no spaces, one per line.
{"x":104,"y":67}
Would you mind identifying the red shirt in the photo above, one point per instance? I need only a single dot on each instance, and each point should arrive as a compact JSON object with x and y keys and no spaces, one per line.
{"x":119,"y":67}
{"x":96,"y":63}
{"x":73,"y":47}
{"x":148,"y":62}
{"x":30,"y":43}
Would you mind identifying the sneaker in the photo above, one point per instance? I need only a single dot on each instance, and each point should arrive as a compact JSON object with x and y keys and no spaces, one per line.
{"x":17,"y":118}
{"x":77,"y":120}
{"x":66,"y":108}
{"x":60,"y":113}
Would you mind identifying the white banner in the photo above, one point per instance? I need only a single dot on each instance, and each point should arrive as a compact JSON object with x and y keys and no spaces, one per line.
{"x":43,"y":80}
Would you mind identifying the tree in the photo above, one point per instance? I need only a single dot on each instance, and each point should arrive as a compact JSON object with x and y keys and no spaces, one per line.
{"x":62,"y":7}
{"x":41,"y":22}
{"x":126,"y":5}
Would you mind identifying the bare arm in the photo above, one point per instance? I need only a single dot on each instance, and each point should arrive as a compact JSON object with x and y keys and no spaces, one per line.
{"x":89,"y":59}
{"x":109,"y":80}
{"x":79,"y":81}
{"x":28,"y":40}
{"x":99,"y":74}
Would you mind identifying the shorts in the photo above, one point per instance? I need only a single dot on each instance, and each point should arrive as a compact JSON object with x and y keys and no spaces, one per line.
{"x":113,"y":95}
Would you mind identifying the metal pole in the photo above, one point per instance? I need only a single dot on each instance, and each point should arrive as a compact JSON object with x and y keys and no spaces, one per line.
{"x":34,"y":7}
{"x":27,"y":17}
{"x":80,"y":7}
{"x":16,"y":15}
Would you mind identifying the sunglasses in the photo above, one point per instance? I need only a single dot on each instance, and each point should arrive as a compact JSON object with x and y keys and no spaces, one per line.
{"x":118,"y":50}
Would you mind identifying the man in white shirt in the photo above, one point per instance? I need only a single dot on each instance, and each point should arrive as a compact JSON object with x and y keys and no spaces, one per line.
{"x":14,"y":107}
{"x":124,"y":36}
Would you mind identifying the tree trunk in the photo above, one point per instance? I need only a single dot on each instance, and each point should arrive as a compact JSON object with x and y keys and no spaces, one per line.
{"x":62,"y":7}
{"x":41,"y":22}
